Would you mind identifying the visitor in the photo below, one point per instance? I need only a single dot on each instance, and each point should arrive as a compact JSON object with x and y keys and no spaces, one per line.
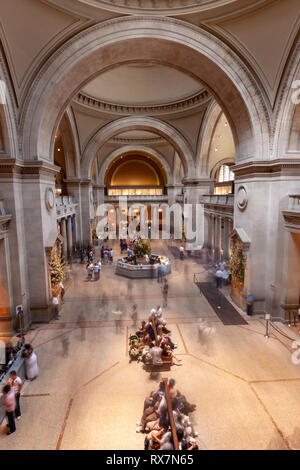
{"x":104,"y":306}
{"x":160,"y":272}
{"x":134,"y":315}
{"x":82,"y":256}
{"x":250,"y":301}
{"x":16,"y":384}
{"x":219,"y":278}
{"x":55,"y":306}
{"x":129,"y":291}
{"x":165,"y":290}
{"x":100,"y":267}
{"x":118,"y":319}
{"x":81,"y":325}
{"x":62,"y":291}
{"x":8,"y":401}
{"x":65,"y":346}
{"x":91,"y":256}
{"x":90,"y":269}
{"x":102,"y":253}
{"x":181,"y":250}
{"x":31,"y":364}
{"x":96,"y":272}
{"x":111,"y":256}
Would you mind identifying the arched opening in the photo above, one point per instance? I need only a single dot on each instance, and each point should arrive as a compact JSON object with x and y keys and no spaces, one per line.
{"x":224,"y":180}
{"x":135,"y":174}
{"x":201,"y":56}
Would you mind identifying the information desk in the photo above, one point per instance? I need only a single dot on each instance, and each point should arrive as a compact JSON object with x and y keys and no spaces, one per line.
{"x":139,"y":271}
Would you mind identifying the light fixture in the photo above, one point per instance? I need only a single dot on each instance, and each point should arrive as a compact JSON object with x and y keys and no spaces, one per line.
{"x":58,"y":149}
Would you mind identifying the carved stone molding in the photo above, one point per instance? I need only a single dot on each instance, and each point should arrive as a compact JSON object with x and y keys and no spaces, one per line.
{"x":157,"y":6}
{"x":241,"y":198}
{"x":49,"y":198}
{"x":196,"y":99}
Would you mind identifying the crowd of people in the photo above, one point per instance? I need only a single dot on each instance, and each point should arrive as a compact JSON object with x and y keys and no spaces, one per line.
{"x":11,"y":391}
{"x":150,"y":348}
{"x":155,"y":420}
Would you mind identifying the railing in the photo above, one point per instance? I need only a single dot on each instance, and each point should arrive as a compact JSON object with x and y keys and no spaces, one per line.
{"x":294,"y":202}
{"x":64,"y":200}
{"x":162,"y":197}
{"x":218,"y":199}
{"x":65,"y":206}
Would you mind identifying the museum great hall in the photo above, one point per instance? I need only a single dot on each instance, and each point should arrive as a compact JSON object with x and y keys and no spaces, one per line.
{"x":165,"y":102}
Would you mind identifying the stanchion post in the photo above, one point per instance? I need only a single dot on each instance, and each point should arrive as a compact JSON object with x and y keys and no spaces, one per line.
{"x":267,"y":318}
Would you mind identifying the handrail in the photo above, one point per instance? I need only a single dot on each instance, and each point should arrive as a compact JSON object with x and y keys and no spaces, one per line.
{"x":171,"y":417}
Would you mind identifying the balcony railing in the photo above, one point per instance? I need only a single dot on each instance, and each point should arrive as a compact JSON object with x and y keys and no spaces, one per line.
{"x":225,"y":200}
{"x":138,"y":198}
{"x":65,"y":206}
{"x":294,"y":203}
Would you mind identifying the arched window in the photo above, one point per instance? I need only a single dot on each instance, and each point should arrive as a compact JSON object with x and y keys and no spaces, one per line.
{"x":224,"y":180}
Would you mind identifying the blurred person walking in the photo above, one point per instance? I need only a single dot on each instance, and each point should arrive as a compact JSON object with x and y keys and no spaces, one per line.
{"x":8,"y":401}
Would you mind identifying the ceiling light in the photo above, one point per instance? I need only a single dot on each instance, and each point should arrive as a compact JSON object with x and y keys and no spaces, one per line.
{"x":58,"y":149}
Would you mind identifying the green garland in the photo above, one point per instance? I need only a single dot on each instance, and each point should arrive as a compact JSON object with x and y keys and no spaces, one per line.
{"x":237,"y":265}
{"x":57,"y":270}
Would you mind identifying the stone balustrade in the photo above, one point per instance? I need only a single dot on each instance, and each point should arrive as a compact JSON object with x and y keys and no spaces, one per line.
{"x":140,"y":198}
{"x":225,"y":200}
{"x":65,"y":206}
{"x":294,"y":202}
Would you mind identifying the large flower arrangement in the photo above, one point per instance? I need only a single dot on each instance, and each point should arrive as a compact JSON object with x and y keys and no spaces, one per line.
{"x":237,"y":266}
{"x":141,"y":248}
{"x":57,"y":270}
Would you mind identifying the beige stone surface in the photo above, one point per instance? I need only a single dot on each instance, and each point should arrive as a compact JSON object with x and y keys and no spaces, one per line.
{"x":245,"y":386}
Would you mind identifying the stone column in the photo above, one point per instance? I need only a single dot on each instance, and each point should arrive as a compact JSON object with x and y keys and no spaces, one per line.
{"x":86,"y":212}
{"x":213,"y":234}
{"x":74,"y":190}
{"x":218,"y":238}
{"x":64,"y":235}
{"x":194,"y":189}
{"x":69,"y":236}
{"x":226,"y":240}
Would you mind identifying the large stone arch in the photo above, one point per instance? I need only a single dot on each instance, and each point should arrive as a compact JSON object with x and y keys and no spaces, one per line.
{"x":134,"y":148}
{"x":206,"y":134}
{"x":8,"y":114}
{"x":285,"y":108}
{"x":161,"y":128}
{"x":70,"y":143}
{"x":162,"y":40}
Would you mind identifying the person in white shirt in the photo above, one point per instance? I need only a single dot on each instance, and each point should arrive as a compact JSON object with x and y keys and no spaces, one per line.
{"x":16,"y":384}
{"x":181,"y":249}
{"x":62,"y":291}
{"x":55,"y":305}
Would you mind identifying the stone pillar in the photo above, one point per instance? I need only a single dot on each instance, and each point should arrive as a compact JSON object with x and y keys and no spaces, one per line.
{"x":194,"y":189}
{"x":74,"y":190}
{"x":213,"y":234}
{"x":226,"y":239}
{"x":69,"y":236}
{"x":64,"y":235}
{"x":87,"y":211}
{"x":218,"y":238}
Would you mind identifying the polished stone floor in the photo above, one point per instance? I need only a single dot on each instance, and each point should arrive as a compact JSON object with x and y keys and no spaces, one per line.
{"x":88,"y":396}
